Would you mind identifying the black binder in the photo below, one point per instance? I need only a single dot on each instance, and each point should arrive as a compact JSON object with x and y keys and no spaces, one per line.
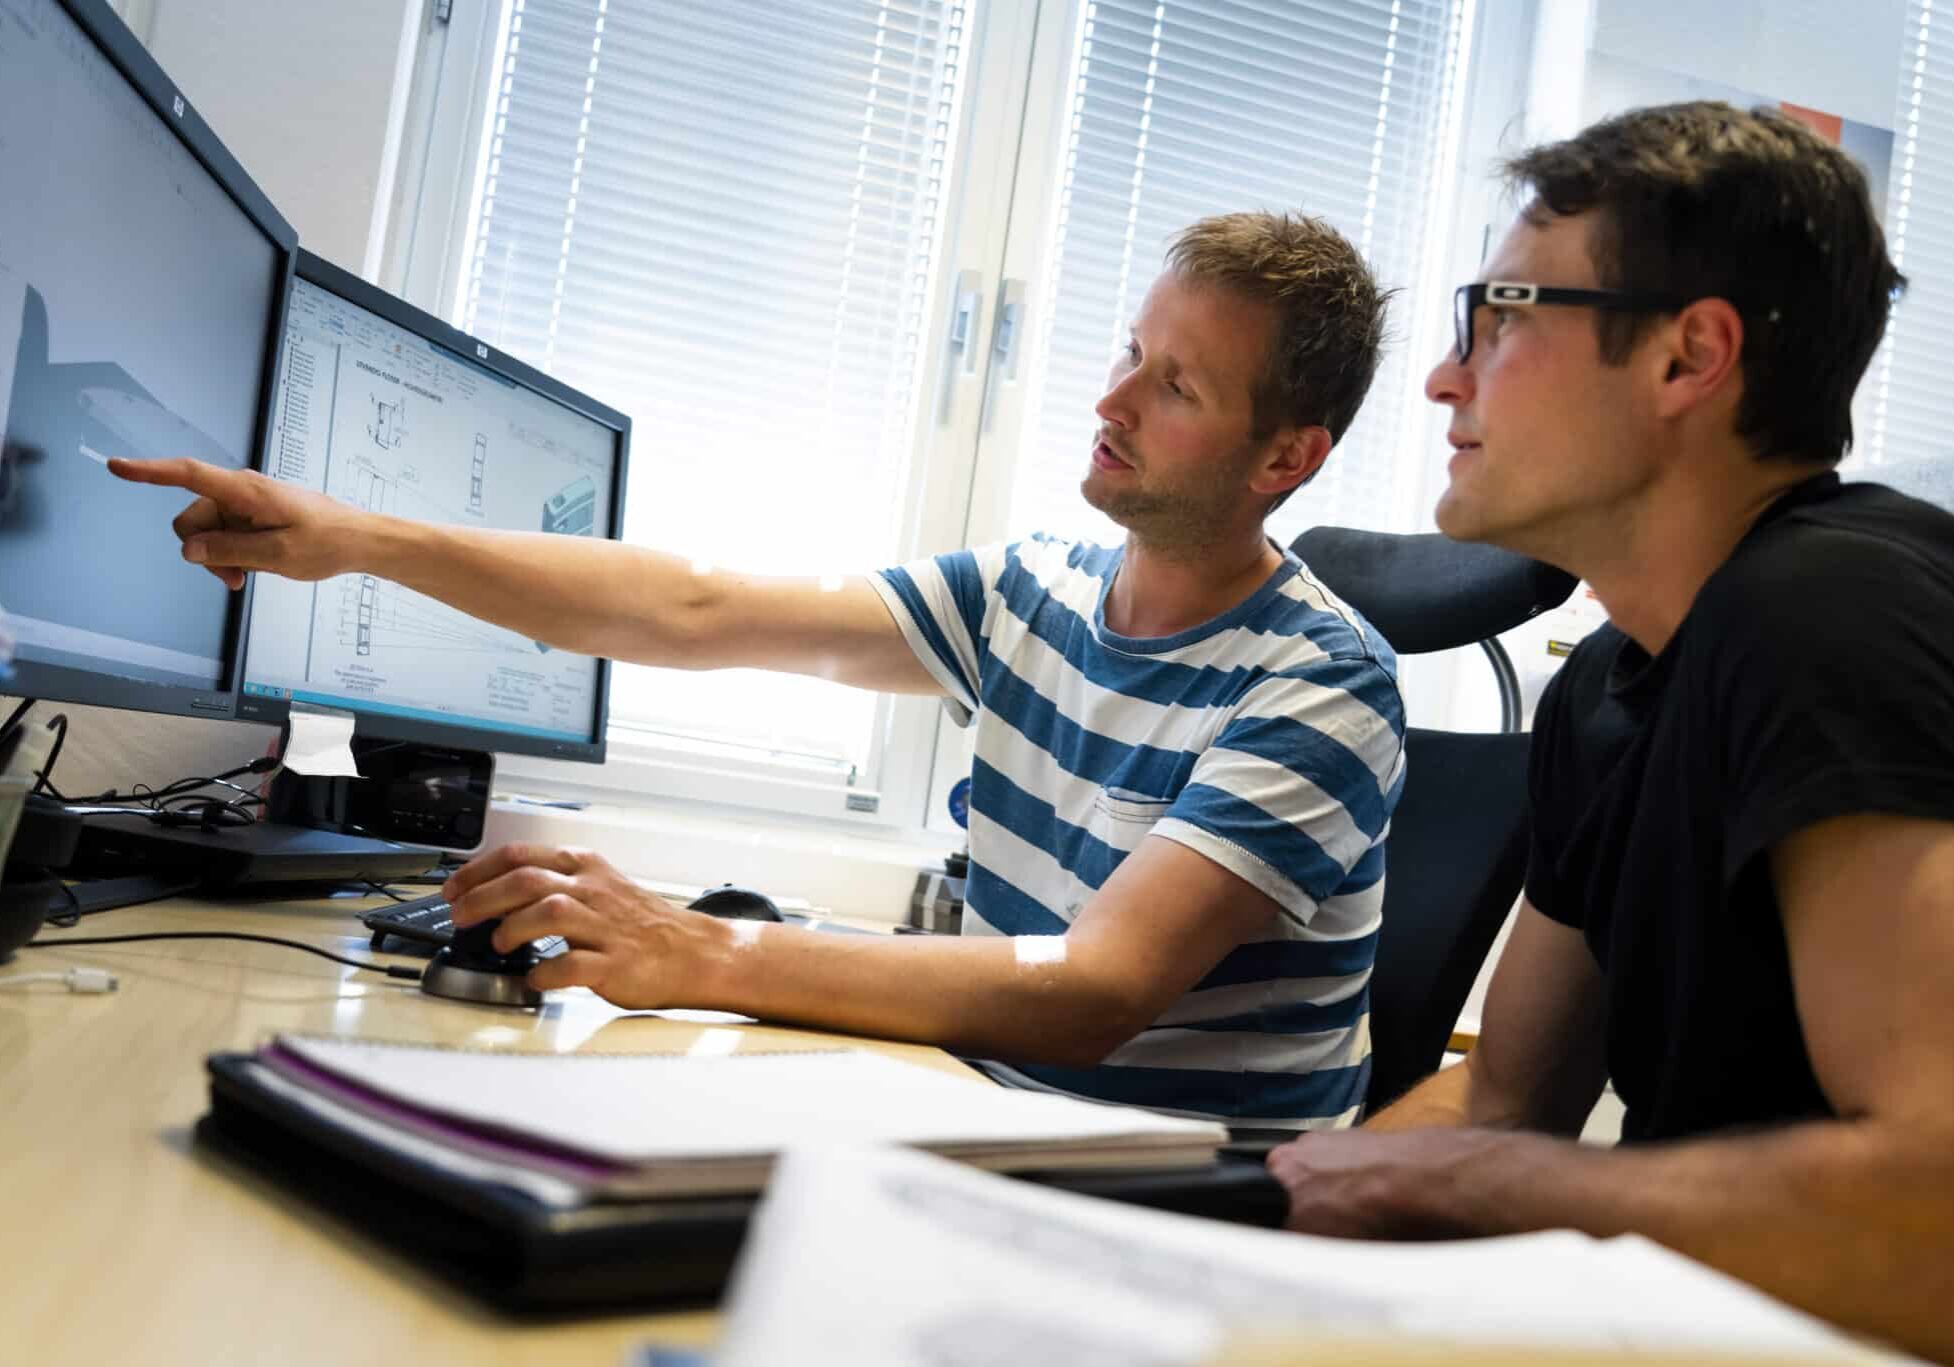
{"x":523,"y":1256}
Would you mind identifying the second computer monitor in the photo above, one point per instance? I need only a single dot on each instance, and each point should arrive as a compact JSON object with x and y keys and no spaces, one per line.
{"x":387,"y":408}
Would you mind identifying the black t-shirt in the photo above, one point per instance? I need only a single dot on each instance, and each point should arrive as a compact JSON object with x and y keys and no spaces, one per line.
{"x":1813,"y":677}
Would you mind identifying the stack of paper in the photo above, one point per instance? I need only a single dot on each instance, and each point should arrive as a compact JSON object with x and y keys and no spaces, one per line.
{"x":574,"y":1127}
{"x":894,"y":1258}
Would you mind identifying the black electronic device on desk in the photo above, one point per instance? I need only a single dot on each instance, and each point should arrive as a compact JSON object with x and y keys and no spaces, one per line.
{"x":471,"y":969}
{"x":221,"y":858}
{"x":406,"y":790}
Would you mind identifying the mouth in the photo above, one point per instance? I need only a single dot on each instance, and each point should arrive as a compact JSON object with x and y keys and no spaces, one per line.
{"x":1105,"y":458}
{"x":1462,"y":454}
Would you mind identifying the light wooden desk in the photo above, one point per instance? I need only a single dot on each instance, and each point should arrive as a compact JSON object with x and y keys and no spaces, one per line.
{"x":125,"y":1243}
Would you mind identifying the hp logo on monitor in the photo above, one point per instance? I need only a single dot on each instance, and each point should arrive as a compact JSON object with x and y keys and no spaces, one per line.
{"x":481,"y":351}
{"x":176,"y":103}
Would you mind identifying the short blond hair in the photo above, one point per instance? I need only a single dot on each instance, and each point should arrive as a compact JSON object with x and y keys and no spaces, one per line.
{"x":1329,"y":312}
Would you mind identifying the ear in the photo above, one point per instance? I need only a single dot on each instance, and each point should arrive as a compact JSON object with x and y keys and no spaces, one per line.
{"x":1701,"y":358}
{"x":1294,"y":455}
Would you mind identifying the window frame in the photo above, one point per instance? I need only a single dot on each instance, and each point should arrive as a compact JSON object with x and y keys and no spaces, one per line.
{"x":1019,"y":89}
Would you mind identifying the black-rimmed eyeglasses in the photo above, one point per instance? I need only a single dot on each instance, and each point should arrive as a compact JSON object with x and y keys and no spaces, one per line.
{"x":1469,"y":299}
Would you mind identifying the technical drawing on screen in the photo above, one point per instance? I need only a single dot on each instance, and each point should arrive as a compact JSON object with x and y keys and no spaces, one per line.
{"x":386,"y":420}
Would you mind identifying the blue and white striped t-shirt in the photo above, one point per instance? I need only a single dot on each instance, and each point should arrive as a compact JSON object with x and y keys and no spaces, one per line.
{"x":1270,"y":739}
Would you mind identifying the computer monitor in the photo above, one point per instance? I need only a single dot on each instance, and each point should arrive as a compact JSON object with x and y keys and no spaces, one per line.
{"x":388,"y":408}
{"x":142,"y":281}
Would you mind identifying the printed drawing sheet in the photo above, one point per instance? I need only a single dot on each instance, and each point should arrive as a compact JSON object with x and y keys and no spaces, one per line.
{"x":891,"y":1257}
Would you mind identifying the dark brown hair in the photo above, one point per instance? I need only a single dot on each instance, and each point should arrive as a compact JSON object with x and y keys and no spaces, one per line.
{"x":1704,"y":200}
{"x":1329,"y":311}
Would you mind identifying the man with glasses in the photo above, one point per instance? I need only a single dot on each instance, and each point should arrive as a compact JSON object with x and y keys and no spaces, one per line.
{"x":1740,"y":899}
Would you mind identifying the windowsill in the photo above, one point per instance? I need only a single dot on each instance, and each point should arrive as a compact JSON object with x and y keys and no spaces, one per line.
{"x":844,"y":872}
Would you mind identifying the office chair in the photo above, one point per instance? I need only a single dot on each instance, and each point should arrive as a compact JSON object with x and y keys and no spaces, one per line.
{"x":1427,"y":592}
{"x":1458,"y":843}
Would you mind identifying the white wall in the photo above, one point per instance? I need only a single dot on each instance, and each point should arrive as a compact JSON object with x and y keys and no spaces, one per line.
{"x":308,"y":95}
{"x":1843,"y":59}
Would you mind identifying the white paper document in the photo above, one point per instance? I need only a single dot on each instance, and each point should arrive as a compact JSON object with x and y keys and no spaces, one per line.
{"x":862,"y":1256}
{"x":321,"y":743}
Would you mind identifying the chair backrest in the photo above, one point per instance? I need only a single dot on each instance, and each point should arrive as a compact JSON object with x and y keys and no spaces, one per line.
{"x":1456,"y":858}
{"x":1428,"y":592}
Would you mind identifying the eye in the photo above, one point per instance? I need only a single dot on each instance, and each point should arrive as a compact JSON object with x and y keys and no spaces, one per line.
{"x":1132,"y":352}
{"x":1174,"y":388}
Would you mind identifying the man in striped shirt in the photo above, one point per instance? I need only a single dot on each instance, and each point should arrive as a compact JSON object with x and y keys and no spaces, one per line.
{"x":1187,"y":750}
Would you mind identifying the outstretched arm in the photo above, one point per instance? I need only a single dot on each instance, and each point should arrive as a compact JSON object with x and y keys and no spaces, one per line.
{"x":592,"y":596}
{"x":1852,"y":1218}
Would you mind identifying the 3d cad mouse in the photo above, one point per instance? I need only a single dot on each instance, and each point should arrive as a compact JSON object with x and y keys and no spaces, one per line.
{"x":471,"y":969}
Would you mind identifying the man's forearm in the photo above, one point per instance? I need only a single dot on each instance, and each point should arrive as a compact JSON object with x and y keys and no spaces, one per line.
{"x":1877,"y":1201}
{"x":1016,"y":999}
{"x":1439,"y":1101}
{"x":584,"y":594}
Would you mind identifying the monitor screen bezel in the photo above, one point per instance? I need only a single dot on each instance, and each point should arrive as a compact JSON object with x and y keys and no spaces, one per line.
{"x":68,"y":684}
{"x":316,"y":270}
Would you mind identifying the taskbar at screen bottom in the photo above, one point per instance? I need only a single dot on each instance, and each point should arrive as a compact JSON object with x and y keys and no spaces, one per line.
{"x":271,"y":702}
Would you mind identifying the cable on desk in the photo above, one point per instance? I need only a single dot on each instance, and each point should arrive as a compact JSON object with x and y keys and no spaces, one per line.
{"x":13,"y":718}
{"x":412,"y":975}
{"x":77,"y":979}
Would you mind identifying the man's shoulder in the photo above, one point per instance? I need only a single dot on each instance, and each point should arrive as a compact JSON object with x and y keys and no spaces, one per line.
{"x":1051,"y":561}
{"x":1832,"y":550}
{"x":1304,"y":620}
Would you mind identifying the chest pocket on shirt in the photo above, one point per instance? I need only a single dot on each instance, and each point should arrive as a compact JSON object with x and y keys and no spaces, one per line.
{"x":1120,"y":818}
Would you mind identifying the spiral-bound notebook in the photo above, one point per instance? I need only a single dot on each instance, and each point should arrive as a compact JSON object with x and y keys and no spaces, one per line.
{"x":578,"y":1127}
{"x":522,"y":1176}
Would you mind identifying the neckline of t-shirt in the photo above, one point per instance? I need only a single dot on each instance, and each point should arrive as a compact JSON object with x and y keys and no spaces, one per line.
{"x":1201,"y":631}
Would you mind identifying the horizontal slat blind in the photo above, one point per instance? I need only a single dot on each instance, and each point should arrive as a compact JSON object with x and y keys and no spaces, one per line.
{"x":722,"y":216}
{"x":1913,"y":397}
{"x":1186,"y":108}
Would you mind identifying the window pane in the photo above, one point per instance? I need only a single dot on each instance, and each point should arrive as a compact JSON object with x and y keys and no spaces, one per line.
{"x":722,"y":218}
{"x":1339,"y":110}
{"x":1912,"y":401}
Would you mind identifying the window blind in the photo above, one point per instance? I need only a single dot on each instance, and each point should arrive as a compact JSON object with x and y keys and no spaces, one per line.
{"x":1185,"y":108}
{"x":721,"y":216}
{"x":1913,"y":398}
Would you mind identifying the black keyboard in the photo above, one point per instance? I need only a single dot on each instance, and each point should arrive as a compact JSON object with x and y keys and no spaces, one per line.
{"x":423,"y":920}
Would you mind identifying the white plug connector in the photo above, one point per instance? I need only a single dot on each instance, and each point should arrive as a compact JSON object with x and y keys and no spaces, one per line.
{"x":77,"y":979}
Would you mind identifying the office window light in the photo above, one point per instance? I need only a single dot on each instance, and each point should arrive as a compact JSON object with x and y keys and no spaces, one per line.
{"x":1198,"y":107}
{"x":1912,"y":402}
{"x":724,"y":219}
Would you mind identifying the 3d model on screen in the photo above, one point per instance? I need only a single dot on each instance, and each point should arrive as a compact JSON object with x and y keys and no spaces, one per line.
{"x":94,"y":409}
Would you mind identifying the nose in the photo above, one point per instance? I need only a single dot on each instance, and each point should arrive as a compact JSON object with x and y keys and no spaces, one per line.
{"x":1115,"y":406}
{"x":1450,"y":382}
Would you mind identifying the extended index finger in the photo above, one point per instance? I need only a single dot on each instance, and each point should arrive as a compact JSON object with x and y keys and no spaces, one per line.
{"x":232,"y":488}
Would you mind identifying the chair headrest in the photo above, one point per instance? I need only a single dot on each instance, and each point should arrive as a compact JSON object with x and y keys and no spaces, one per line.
{"x":1428,"y":592}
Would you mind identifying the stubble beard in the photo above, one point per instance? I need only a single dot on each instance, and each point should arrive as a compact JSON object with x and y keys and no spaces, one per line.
{"x":1179,"y":523}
